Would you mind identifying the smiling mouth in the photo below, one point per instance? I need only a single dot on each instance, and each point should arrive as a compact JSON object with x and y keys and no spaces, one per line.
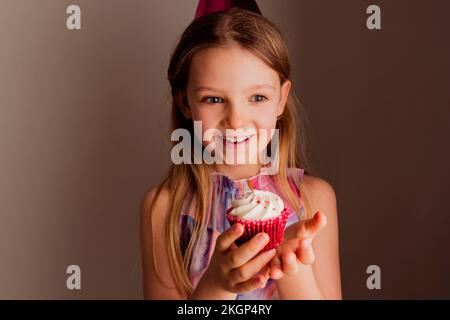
{"x":236,"y":140}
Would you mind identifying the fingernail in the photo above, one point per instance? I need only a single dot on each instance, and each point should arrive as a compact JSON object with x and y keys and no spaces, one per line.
{"x":237,"y":228}
{"x":262,"y":238}
{"x":270,"y":252}
{"x":291,"y":259}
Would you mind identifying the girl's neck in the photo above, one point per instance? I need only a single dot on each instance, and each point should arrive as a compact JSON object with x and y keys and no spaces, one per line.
{"x":238,"y":172}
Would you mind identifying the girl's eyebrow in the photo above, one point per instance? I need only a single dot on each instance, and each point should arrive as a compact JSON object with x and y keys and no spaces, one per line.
{"x":259,"y":86}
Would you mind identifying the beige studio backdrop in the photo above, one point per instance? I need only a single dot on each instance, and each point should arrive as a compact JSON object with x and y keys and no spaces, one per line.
{"x":84,"y":118}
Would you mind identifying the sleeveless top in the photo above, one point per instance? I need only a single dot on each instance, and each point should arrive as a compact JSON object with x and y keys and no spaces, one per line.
{"x":224,"y":191}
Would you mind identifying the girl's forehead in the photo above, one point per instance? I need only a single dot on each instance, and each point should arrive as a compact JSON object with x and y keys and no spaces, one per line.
{"x":226,"y":66}
{"x":230,"y":53}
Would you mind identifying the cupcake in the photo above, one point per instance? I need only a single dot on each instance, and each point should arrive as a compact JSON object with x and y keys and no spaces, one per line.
{"x":259,"y":211}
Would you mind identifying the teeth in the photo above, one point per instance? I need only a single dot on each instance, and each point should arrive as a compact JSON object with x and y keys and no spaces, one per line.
{"x":236,"y":139}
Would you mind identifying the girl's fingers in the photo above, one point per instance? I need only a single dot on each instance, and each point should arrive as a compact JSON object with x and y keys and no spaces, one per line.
{"x":306,"y":252}
{"x":256,"y":282}
{"x":247,"y":251}
{"x":265,"y":273}
{"x":290,"y":263}
{"x":315,"y":224}
{"x":264,"y":282}
{"x":227,"y":238}
{"x":275,"y":268}
{"x":252,"y":267}
{"x":309,"y":228}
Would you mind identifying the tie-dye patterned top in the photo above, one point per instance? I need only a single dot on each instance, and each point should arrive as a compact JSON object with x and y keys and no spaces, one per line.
{"x":224,"y":191}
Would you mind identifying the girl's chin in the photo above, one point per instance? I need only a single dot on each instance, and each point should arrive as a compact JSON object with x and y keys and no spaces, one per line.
{"x":235,"y":161}
{"x":237,"y":164}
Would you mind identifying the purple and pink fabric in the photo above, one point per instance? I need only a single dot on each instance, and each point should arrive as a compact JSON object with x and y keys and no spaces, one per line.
{"x":224,"y":191}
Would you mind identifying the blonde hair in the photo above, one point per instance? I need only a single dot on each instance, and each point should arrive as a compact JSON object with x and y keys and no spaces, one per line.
{"x":257,"y":34}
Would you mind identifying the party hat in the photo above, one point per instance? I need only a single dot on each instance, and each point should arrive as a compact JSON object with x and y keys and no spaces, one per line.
{"x":209,"y":6}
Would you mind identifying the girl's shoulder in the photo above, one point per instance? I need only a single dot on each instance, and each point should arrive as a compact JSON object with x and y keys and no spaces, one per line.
{"x":315,"y":184}
{"x":309,"y":183}
{"x":160,"y":201}
{"x":318,"y":191}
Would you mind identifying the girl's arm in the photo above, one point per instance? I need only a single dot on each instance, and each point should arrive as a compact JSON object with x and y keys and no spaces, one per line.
{"x":321,"y":280}
{"x":153,"y":287}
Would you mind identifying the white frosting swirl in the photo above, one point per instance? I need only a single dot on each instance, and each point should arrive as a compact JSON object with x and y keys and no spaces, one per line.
{"x":257,"y":205}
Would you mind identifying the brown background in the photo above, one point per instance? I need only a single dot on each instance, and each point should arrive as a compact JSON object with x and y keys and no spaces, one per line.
{"x":84,"y":132}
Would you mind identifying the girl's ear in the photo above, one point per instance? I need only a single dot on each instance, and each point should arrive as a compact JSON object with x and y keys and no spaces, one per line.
{"x":182,"y":102}
{"x":285,"y":88}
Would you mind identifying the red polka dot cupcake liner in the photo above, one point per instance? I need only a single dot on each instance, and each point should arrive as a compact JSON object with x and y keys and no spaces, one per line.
{"x":274,"y":227}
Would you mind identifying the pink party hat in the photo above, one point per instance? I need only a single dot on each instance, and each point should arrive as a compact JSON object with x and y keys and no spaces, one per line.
{"x":209,"y":6}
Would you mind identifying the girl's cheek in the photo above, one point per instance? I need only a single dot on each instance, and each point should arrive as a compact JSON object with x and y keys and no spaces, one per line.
{"x":209,"y":120}
{"x":211,"y":138}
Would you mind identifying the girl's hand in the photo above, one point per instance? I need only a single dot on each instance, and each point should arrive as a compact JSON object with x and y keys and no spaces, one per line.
{"x":238,"y":269}
{"x":296,"y":248}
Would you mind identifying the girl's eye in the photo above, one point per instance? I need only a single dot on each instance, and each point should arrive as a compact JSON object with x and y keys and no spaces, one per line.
{"x":215,"y":100}
{"x":259,"y":98}
{"x":212,"y":100}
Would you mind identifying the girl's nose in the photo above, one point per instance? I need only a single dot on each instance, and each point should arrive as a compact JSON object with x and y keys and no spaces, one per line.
{"x":235,"y":116}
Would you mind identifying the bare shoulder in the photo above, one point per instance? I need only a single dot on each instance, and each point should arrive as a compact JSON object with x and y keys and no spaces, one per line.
{"x":318,"y":188}
{"x":161,"y":202}
{"x":319,"y":192}
{"x":150,"y":194}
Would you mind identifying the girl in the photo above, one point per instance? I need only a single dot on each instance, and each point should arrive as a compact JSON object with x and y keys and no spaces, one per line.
{"x":230,"y":70}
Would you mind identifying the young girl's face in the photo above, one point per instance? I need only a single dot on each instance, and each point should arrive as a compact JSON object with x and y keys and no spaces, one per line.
{"x":231,"y":88}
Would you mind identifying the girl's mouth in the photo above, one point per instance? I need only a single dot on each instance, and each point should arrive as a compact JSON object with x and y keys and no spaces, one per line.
{"x":235,"y":141}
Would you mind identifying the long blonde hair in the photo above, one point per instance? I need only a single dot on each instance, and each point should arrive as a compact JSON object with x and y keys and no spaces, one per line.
{"x":257,"y":34}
